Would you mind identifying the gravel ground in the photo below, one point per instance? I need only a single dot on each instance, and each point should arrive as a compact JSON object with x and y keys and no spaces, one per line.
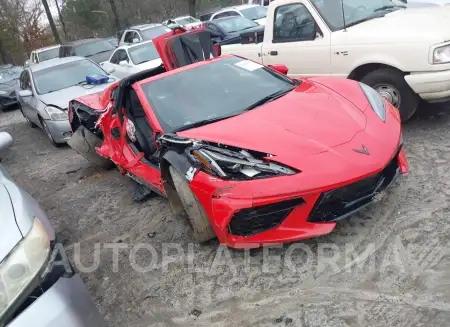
{"x":391,"y":261}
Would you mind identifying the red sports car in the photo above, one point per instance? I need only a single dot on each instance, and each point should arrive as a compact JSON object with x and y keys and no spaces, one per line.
{"x":252,"y":156}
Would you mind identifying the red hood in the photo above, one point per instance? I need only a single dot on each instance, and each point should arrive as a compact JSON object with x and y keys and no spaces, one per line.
{"x":309,"y":120}
{"x":98,"y":101}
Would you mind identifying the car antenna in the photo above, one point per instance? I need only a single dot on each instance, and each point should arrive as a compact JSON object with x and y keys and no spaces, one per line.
{"x":343,"y":15}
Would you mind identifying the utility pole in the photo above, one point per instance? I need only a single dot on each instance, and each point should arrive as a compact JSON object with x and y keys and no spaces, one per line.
{"x":61,"y":19}
{"x":51,"y":22}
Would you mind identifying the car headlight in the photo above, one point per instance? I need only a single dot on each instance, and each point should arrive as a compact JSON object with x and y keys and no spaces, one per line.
{"x":22,"y":265}
{"x":3,"y":93}
{"x":56,"y":114}
{"x":376,"y":101}
{"x":441,"y":55}
{"x":238,"y":164}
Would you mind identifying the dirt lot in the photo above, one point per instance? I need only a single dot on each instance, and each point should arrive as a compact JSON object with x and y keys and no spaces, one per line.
{"x":400,"y":277}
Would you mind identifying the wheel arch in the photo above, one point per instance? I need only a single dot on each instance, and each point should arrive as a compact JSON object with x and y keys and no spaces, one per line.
{"x":180,"y":163}
{"x":362,"y":70}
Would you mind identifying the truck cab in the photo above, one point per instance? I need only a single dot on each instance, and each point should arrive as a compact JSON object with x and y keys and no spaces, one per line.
{"x":377,"y":42}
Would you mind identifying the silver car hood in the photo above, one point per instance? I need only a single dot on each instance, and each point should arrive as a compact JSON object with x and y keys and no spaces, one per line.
{"x":62,"y":97}
{"x":9,"y":232}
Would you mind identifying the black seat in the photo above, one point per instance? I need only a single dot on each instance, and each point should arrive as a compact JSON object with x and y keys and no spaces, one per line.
{"x":144,"y":132}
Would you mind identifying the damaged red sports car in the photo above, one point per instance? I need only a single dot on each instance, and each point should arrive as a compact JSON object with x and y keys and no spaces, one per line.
{"x":250,"y":155}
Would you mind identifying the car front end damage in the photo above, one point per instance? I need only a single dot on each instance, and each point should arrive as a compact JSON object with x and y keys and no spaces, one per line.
{"x":7,"y":98}
{"x":256,"y":203}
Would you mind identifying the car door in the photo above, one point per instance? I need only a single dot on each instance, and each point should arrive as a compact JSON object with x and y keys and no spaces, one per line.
{"x":120,"y":71}
{"x":29,"y":104}
{"x":298,"y":40}
{"x":178,"y":48}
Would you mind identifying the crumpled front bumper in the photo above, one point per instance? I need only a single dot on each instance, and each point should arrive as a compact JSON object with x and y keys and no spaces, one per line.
{"x":223,"y":200}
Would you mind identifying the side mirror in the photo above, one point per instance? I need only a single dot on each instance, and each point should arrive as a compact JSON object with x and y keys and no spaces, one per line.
{"x":25,"y":93}
{"x":123,"y":63}
{"x":5,"y":141}
{"x":26,"y":64}
{"x":136,"y":40}
{"x":282,"y":69}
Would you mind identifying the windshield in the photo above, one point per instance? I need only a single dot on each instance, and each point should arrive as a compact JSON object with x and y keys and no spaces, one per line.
{"x":235,"y":24}
{"x":222,"y":88}
{"x":253,"y":13}
{"x":9,"y":74}
{"x":92,"y":48}
{"x":48,"y":54}
{"x":355,"y":11}
{"x":143,"y":53}
{"x":151,"y":33}
{"x":186,"y":20}
{"x":63,"y":76}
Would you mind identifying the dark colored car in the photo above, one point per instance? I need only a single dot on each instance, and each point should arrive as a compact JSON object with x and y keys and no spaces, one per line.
{"x":9,"y":76}
{"x":228,"y":30}
{"x":98,"y":50}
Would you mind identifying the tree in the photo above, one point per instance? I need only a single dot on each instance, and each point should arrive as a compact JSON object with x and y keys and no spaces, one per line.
{"x":116,"y":15}
{"x":61,"y":20}
{"x":51,"y":22}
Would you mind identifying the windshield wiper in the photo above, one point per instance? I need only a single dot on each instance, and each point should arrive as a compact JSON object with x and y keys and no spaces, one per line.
{"x":202,"y":122}
{"x":388,"y":7}
{"x":356,"y":22}
{"x":268,"y":98}
{"x":98,"y":53}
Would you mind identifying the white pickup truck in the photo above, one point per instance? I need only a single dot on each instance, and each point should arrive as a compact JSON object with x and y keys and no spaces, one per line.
{"x":402,"y":53}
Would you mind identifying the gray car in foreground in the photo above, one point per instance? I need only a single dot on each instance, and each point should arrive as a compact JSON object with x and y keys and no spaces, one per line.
{"x":38,"y":286}
{"x":45,"y":90}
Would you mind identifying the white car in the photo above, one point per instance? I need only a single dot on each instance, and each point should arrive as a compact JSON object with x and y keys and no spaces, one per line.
{"x":130,"y":59}
{"x":43,"y":54}
{"x":377,"y":42}
{"x":139,"y":33}
{"x":186,"y":21}
{"x":254,"y":12}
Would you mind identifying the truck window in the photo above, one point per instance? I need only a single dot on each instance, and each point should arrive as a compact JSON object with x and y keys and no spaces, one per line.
{"x":292,"y":23}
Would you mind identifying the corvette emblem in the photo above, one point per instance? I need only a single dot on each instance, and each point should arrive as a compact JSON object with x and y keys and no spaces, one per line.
{"x":363,"y":150}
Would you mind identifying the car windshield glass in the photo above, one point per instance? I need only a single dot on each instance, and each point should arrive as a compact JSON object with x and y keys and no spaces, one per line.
{"x":235,"y":24}
{"x":143,"y":53}
{"x":48,"y":54}
{"x":63,"y":76}
{"x":151,"y":33}
{"x":355,"y":11}
{"x":222,"y":88}
{"x":253,"y":13}
{"x":186,"y":20}
{"x":9,"y":74}
{"x":92,"y":48}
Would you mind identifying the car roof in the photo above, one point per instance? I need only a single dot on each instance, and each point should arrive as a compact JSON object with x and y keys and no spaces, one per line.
{"x":54,"y":62}
{"x":83,"y":41}
{"x":238,"y":7}
{"x":47,"y":48}
{"x":129,"y":46}
{"x":143,"y":26}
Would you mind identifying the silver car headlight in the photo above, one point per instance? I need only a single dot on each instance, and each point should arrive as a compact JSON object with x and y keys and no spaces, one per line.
{"x":56,"y":114}
{"x":376,"y":101}
{"x":238,"y":165}
{"x":23,"y":265}
{"x":441,"y":55}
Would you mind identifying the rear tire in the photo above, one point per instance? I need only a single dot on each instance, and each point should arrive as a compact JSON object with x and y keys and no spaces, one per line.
{"x":391,"y":84}
{"x":198,"y":218}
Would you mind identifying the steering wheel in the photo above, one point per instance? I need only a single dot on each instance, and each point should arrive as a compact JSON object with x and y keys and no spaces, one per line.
{"x":354,"y":11}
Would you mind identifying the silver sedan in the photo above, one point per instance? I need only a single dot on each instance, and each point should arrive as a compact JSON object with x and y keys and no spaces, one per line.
{"x":45,"y":90}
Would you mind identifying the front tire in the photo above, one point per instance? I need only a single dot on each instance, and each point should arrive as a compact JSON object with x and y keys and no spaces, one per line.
{"x":391,"y":84}
{"x":198,"y":218}
{"x":31,"y":124}
{"x":47,"y":132}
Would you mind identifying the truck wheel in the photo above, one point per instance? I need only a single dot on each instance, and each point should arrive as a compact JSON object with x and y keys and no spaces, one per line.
{"x":391,"y":84}
{"x":200,"y":223}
